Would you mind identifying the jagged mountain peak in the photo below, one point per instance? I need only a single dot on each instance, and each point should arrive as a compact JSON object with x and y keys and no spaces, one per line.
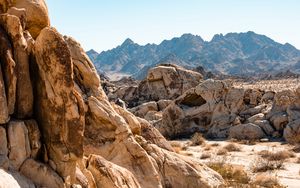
{"x":226,"y":53}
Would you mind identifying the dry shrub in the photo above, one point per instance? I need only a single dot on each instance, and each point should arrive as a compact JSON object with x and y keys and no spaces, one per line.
{"x":222,"y":151}
{"x":265,"y":180}
{"x":296,"y":149}
{"x":215,"y":144}
{"x":263,"y":165}
{"x":248,"y":142}
{"x":232,"y":147}
{"x":207,"y":148}
{"x":205,"y":155}
{"x":233,"y":175}
{"x":197,"y":139}
{"x":175,"y":144}
{"x":276,"y":156}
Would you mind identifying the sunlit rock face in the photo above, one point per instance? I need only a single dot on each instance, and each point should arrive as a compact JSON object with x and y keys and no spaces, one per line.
{"x":57,"y":127}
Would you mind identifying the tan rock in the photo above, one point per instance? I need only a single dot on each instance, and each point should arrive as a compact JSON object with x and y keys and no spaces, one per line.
{"x":4,"y":117}
{"x":152,"y":135}
{"x":18,"y":143}
{"x":292,"y":131}
{"x":34,"y":137}
{"x":36,"y":15}
{"x":293,"y":112}
{"x":24,"y":92}
{"x":253,"y":97}
{"x":83,"y":176}
{"x":109,"y":175}
{"x":162,"y":104}
{"x":256,"y":117}
{"x":144,"y":108}
{"x":4,"y":163}
{"x":14,"y":179}
{"x":180,"y":171}
{"x":8,"y":70}
{"x":130,"y":119}
{"x":248,"y":131}
{"x":153,"y":116}
{"x":3,"y":141}
{"x":265,"y":126}
{"x":279,"y":121}
{"x":40,"y":174}
{"x":61,"y":110}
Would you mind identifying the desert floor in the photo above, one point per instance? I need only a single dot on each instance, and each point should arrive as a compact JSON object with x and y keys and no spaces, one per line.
{"x":249,"y":156}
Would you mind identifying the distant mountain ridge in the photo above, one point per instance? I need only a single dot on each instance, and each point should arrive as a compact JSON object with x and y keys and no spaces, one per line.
{"x":232,"y":54}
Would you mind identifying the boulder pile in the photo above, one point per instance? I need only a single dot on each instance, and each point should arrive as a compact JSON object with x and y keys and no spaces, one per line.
{"x":219,"y":110}
{"x":165,"y":81}
{"x":57,"y":127}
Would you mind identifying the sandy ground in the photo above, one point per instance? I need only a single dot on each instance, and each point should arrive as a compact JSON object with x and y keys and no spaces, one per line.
{"x":270,"y":85}
{"x":288,"y":176}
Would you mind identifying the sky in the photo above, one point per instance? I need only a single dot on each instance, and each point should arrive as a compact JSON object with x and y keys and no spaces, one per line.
{"x":104,"y":24}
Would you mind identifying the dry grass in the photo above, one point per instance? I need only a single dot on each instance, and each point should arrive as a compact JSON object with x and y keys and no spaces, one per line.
{"x":298,"y":160}
{"x":276,"y":156}
{"x":264,"y":165}
{"x":248,"y":142}
{"x":270,"y":85}
{"x":233,"y":175}
{"x":207,"y":148}
{"x":197,"y":139}
{"x":205,"y":155}
{"x":215,"y":144}
{"x":265,"y":180}
{"x":222,"y":151}
{"x":296,"y":149}
{"x":232,"y":147}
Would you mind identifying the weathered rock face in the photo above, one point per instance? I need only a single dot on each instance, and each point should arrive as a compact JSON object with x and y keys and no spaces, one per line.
{"x":57,"y":127}
{"x":60,"y":111}
{"x":166,"y":81}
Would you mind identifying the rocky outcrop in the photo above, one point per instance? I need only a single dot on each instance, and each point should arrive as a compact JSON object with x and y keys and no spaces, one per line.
{"x":165,"y":81}
{"x":57,"y":127}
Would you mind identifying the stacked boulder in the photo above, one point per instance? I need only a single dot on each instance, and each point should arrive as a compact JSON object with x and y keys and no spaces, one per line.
{"x":57,"y":127}
{"x":165,"y":81}
{"x":219,"y":110}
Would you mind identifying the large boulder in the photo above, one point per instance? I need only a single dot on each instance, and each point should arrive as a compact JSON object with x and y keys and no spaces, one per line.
{"x":292,"y":132}
{"x":165,"y":81}
{"x":24,"y":90}
{"x":61,"y":112}
{"x":109,"y":175}
{"x":36,"y":15}
{"x":248,"y":131}
{"x":212,"y":108}
{"x":18,"y":143}
{"x":40,"y":174}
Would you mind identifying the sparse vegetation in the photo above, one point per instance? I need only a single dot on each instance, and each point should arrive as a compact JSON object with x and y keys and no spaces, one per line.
{"x":215,"y":144}
{"x":197,"y":139}
{"x":232,"y":147}
{"x":222,"y":151}
{"x":276,"y":156}
{"x":263,"y":165}
{"x":208,"y":147}
{"x":233,"y":175}
{"x":265,"y":180}
{"x":205,"y":155}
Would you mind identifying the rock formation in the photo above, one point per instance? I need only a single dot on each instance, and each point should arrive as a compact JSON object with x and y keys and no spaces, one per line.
{"x":219,"y":110}
{"x":166,"y":81}
{"x":57,"y":127}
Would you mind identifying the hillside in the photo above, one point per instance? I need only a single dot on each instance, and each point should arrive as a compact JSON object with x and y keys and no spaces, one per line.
{"x":234,"y":54}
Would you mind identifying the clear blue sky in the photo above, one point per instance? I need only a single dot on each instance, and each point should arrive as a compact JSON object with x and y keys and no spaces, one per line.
{"x":104,"y":24}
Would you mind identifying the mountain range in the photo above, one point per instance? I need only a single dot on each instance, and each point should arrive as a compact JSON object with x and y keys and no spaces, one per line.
{"x":231,"y":54}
